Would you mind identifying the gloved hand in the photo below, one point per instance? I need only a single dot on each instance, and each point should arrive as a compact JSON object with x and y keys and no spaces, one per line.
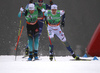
{"x":21,"y":9}
{"x":62,"y":24}
{"x":43,"y":10}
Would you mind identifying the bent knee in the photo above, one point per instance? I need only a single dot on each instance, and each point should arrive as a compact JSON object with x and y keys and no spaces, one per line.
{"x":63,"y":39}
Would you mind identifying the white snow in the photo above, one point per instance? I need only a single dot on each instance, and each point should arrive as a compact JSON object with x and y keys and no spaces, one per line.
{"x":44,"y":65}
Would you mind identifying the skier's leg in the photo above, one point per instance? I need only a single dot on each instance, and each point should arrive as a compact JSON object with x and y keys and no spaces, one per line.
{"x":50,"y":36}
{"x":62,"y":37}
{"x":51,"y":51}
{"x":36,"y":45}
{"x":40,"y":22}
{"x":51,"y":46}
{"x":30,"y":48}
{"x":36,"y":41}
{"x":68,"y":47}
{"x":70,"y":50}
{"x":30,"y":34}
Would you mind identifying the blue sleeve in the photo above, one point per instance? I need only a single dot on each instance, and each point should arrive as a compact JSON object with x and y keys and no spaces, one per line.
{"x":26,"y":7}
{"x":48,"y":7}
{"x":21,"y":14}
{"x":63,"y":18}
{"x":45,"y":14}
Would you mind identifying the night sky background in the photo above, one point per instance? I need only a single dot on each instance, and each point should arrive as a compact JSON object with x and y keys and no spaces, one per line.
{"x":82,"y":18}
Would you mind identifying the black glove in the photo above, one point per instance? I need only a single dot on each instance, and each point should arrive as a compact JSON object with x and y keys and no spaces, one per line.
{"x":51,"y":2}
{"x":62,"y":24}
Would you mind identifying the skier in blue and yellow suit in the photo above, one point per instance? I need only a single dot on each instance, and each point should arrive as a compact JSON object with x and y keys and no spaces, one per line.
{"x":39,"y":5}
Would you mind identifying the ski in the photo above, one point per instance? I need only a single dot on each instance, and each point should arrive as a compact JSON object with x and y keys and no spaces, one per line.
{"x":80,"y":60}
{"x":37,"y":59}
{"x":25,"y":56}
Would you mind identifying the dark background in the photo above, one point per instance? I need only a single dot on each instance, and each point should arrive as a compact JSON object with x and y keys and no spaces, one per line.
{"x":82,"y":18}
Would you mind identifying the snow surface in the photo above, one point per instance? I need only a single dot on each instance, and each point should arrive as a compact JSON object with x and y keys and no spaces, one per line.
{"x":44,"y":65}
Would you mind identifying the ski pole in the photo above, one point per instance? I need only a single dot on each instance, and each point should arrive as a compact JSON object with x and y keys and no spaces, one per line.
{"x":19,"y":36}
{"x":17,"y":40}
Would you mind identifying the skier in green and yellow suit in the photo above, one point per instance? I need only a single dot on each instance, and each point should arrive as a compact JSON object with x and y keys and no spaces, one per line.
{"x":31,"y":16}
{"x":39,"y":5}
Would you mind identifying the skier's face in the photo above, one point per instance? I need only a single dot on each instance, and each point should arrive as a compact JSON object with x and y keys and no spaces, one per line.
{"x":54,"y":11}
{"x":31,"y":11}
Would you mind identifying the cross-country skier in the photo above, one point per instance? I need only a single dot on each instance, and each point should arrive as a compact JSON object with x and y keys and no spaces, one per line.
{"x":40,"y":5}
{"x":31,"y":15}
{"x":54,"y":20}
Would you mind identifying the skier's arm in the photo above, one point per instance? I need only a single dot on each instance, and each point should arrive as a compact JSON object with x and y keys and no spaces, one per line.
{"x":44,"y":11}
{"x":26,"y":7}
{"x":21,"y":12}
{"x":48,"y":7}
{"x":39,"y":10}
{"x":62,"y":14}
{"x":45,"y":14}
{"x":26,"y":13}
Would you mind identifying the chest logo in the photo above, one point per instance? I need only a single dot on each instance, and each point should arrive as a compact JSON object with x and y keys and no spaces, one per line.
{"x":49,"y":17}
{"x":30,"y":16}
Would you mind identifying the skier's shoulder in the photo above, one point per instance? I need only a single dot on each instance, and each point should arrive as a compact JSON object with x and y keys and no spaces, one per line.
{"x":48,"y":11}
{"x":26,"y":12}
{"x":62,"y":12}
{"x":35,"y":3}
{"x":26,"y":7}
{"x":35,"y":8}
{"x":58,"y":11}
{"x":44,"y":4}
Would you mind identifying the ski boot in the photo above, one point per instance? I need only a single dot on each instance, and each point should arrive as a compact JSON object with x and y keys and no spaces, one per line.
{"x":35,"y":55}
{"x":51,"y":57}
{"x":51,"y":52}
{"x":30,"y":56}
{"x":75,"y":57}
